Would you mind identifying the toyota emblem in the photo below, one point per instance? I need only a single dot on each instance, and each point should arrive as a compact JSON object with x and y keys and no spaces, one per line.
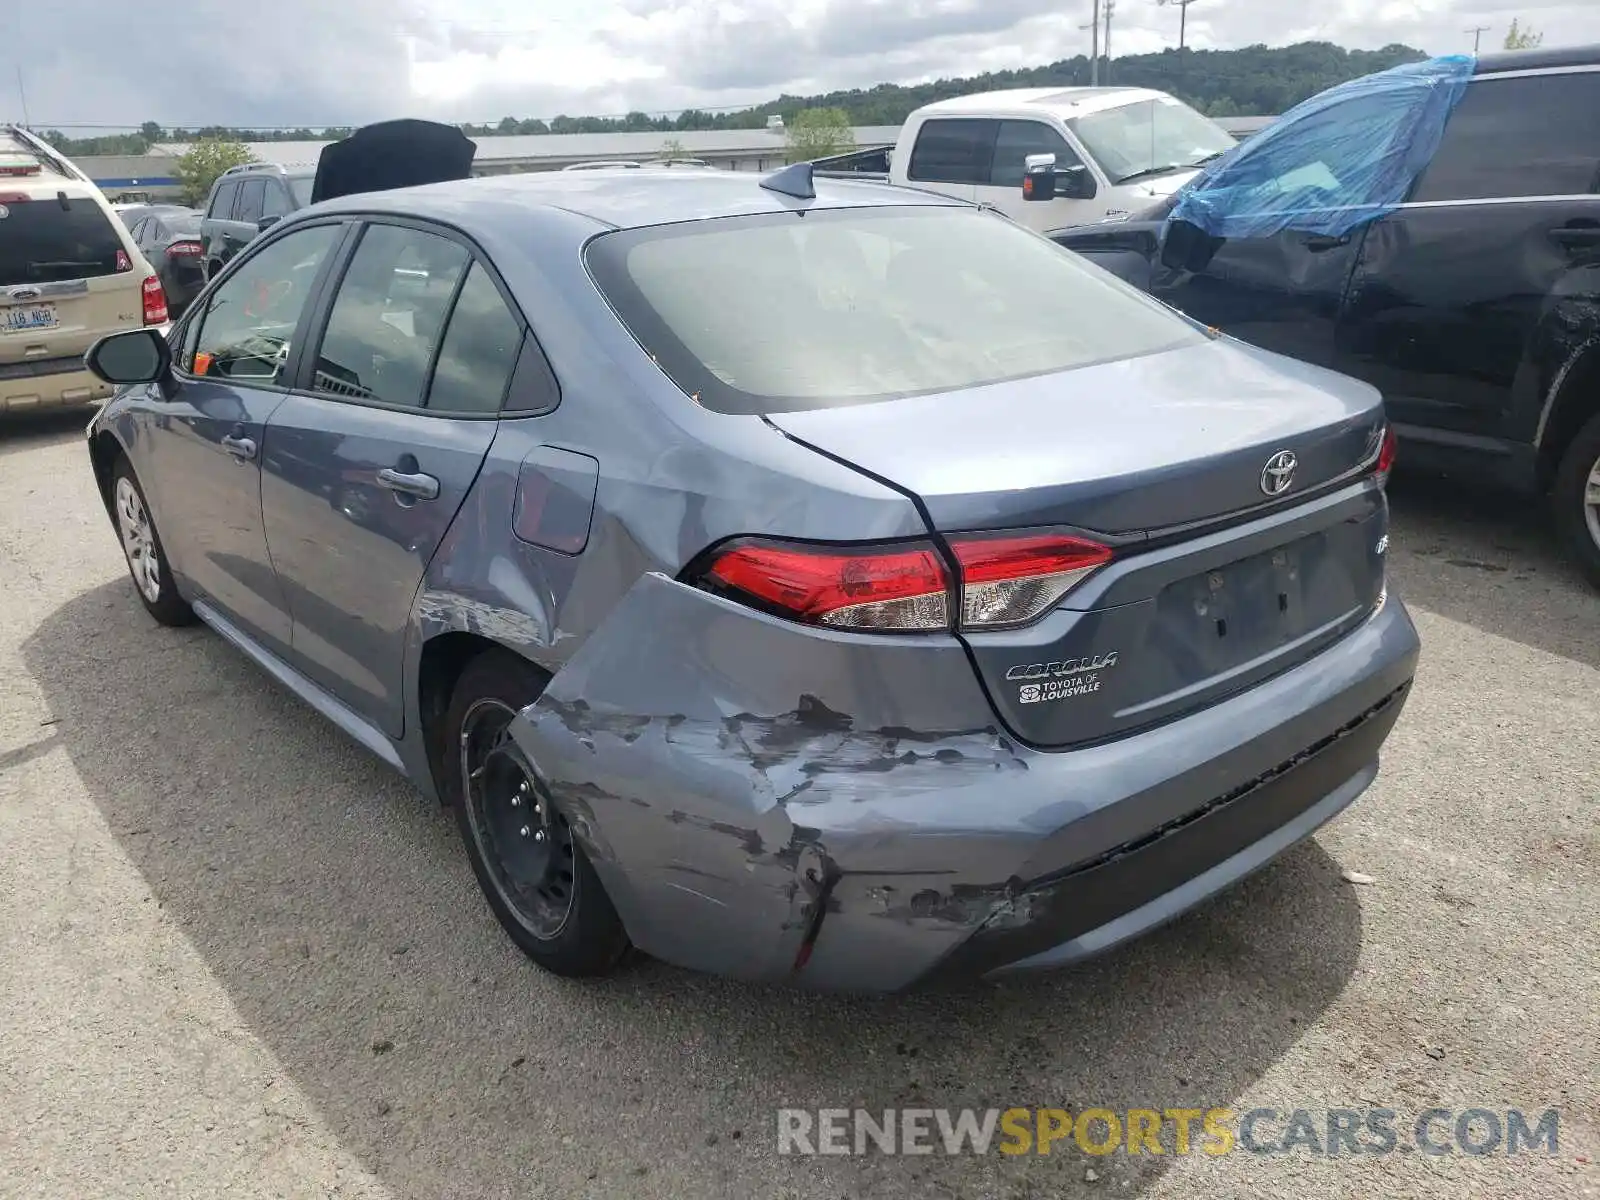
{"x":1278,"y":474}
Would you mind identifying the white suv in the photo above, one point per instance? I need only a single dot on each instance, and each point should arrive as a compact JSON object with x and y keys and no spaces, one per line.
{"x":70,"y":273}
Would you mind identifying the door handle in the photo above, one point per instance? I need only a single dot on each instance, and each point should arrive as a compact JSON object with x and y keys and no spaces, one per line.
{"x":1574,"y":236}
{"x":1318,"y":242}
{"x":241,"y":448}
{"x":416,"y":485}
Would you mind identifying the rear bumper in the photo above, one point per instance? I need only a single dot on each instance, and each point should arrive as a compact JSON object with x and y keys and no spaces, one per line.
{"x":772,"y":802}
{"x":48,"y":383}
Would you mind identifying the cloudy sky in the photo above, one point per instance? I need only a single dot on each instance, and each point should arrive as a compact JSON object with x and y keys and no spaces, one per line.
{"x":317,"y":62}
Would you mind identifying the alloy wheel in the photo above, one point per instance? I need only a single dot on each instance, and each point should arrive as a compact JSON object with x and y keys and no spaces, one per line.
{"x":138,"y":540}
{"x":523,"y":839}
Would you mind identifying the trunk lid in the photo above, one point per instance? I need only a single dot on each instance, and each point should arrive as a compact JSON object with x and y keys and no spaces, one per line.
{"x":1148,"y":443}
{"x":393,"y":154}
{"x":1216,"y":585}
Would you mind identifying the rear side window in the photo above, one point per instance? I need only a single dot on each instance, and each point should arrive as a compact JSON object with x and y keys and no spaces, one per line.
{"x":388,"y":316}
{"x":479,"y":350}
{"x":300,"y":186}
{"x":1533,"y":136}
{"x":953,"y":151}
{"x":47,"y":239}
{"x":836,"y":307}
{"x":222,"y":200}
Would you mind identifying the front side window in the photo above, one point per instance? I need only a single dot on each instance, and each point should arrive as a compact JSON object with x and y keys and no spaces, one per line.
{"x":837,"y":307}
{"x":275,"y":203}
{"x":48,"y":239}
{"x":1534,"y":136}
{"x":388,"y":316}
{"x":252,"y":192}
{"x":1148,"y":137}
{"x":249,"y":320}
{"x":1018,"y":139}
{"x":953,"y":151}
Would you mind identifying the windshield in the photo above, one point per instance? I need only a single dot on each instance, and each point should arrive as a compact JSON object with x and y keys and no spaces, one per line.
{"x":828,"y":308}
{"x":300,"y":185}
{"x":48,"y":239}
{"x":1150,"y":136}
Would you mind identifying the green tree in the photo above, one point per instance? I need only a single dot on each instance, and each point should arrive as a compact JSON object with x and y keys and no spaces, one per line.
{"x":1520,"y":37}
{"x":819,"y":133}
{"x":205,"y":159}
{"x":150,"y":131}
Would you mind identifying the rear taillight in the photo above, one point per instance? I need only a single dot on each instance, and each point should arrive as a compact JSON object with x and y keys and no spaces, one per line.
{"x":1006,"y":580}
{"x":184,"y":250}
{"x":155,"y":301}
{"x":900,"y":588}
{"x":1386,"y":454}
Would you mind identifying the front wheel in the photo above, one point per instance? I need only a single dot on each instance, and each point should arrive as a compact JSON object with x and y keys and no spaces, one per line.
{"x":533,"y":872}
{"x":141,"y":546}
{"x":1576,"y":497}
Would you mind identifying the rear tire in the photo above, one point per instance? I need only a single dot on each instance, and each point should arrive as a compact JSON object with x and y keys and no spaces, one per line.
{"x":1576,"y":497}
{"x":533,"y":872}
{"x":142,"y":547}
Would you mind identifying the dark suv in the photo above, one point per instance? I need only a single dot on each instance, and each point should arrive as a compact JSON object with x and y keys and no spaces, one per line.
{"x":1473,"y":304}
{"x":244,"y":201}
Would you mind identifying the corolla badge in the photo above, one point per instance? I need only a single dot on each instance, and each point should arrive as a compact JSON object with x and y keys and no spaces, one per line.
{"x":1278,"y":474}
{"x":1061,"y":680}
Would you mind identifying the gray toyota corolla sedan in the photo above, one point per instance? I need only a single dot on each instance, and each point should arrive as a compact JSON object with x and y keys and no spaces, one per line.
{"x":823,"y":582}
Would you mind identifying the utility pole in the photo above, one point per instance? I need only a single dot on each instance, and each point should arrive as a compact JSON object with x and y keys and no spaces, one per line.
{"x":1183,"y":18}
{"x":1111,"y":10}
{"x":1476,"y":31}
{"x":1094,"y":43}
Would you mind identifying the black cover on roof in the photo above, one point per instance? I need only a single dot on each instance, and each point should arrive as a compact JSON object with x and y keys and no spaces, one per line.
{"x":392,"y":154}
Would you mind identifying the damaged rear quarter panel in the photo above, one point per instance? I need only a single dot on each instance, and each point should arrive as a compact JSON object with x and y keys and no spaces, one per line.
{"x":726,"y":770}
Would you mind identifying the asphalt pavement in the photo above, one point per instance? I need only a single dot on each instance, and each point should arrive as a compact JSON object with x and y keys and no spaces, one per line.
{"x":238,"y":958}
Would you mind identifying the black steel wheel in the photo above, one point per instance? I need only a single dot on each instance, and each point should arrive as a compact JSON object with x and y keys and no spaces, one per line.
{"x":532,"y":870}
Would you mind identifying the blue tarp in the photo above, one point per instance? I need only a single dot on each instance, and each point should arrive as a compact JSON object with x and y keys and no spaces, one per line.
{"x":1344,"y":157}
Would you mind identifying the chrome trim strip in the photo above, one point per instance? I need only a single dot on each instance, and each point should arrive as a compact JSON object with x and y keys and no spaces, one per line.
{"x":1591,"y":196}
{"x":1534,"y":72}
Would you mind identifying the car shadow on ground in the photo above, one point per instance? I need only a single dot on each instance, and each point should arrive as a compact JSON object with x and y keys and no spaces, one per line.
{"x":338,"y":912}
{"x":1491,"y":560}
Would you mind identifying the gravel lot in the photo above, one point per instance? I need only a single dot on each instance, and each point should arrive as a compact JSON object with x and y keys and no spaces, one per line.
{"x":238,"y":958}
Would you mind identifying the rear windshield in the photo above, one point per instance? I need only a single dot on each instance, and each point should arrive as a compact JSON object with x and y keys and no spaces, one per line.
{"x":47,"y":239}
{"x":183,"y":223}
{"x":788,"y":311}
{"x":300,"y":185}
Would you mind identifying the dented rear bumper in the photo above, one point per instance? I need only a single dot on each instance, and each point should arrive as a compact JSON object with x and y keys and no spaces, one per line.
{"x":771,"y":801}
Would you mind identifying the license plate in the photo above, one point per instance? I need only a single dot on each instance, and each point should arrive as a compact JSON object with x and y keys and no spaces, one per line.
{"x":22,"y":318}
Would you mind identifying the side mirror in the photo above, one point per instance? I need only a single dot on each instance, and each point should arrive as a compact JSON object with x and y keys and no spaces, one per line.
{"x":1043,"y":180}
{"x":1039,"y":177}
{"x":133,"y":356}
{"x":267,"y":223}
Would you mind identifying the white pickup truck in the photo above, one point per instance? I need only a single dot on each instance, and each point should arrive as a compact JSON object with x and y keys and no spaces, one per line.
{"x":1117,"y":151}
